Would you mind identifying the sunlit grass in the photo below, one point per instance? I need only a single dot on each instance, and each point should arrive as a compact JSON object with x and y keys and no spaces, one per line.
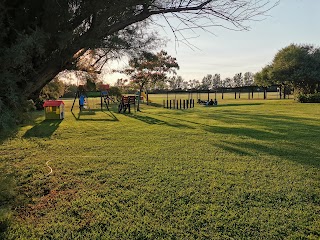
{"x":241,"y":170}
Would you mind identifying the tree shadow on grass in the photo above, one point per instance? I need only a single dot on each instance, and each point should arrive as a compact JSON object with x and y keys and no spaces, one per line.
{"x":12,"y":130}
{"x":234,"y":105}
{"x":151,"y":120}
{"x":44,"y":129}
{"x":155,"y":104}
{"x":287,"y":137}
{"x":9,"y":133}
{"x":7,"y":195}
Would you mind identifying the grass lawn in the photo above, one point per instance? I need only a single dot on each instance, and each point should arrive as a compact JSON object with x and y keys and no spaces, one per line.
{"x":246,"y":169}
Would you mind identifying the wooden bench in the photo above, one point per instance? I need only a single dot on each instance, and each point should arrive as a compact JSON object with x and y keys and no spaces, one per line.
{"x":125,"y":103}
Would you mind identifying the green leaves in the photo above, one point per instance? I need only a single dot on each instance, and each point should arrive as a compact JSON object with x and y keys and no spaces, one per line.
{"x":295,"y":65}
{"x":151,"y":68}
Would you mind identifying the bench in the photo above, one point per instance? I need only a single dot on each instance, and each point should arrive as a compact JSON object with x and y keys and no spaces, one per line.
{"x":125,"y":103}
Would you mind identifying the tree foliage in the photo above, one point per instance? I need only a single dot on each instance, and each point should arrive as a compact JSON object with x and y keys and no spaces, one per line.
{"x":70,"y":90}
{"x":115,"y":92}
{"x":264,"y":77}
{"x":175,"y":83}
{"x":53,"y":90}
{"x":295,"y":65}
{"x":248,"y":79}
{"x":237,"y":80}
{"x":206,"y":82}
{"x":40,"y":38}
{"x":150,"y":68}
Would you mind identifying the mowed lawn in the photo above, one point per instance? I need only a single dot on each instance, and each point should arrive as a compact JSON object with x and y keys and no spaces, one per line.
{"x":246,"y":169}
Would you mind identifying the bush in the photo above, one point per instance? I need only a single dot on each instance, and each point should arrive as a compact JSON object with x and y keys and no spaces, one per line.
{"x":13,"y":113}
{"x":309,"y":98}
{"x":39,"y":104}
{"x":30,"y":106}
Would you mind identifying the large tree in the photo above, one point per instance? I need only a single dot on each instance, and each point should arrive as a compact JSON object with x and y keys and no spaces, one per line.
{"x":248,"y":78}
{"x":264,"y":77}
{"x":237,"y":80}
{"x":227,"y":83}
{"x":150,"y":68}
{"x":211,"y":82}
{"x":216,"y":83}
{"x":295,"y":65}
{"x":40,"y":38}
{"x":206,"y":82}
{"x":175,"y":83}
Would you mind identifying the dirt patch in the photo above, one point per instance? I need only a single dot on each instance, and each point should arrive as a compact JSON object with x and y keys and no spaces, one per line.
{"x":46,"y":204}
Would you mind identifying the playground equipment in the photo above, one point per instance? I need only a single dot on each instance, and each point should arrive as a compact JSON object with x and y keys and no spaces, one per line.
{"x":105,"y":95}
{"x":54,"y":109}
{"x":125,"y":103}
{"x":146,"y":97}
{"x":83,"y":95}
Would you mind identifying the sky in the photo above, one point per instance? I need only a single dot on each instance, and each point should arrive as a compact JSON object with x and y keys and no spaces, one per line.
{"x":229,"y":52}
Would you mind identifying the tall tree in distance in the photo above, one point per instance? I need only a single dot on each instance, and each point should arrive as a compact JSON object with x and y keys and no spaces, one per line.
{"x":194,"y":84}
{"x":150,"y":68}
{"x":216,"y":81}
{"x":227,"y":83}
{"x":295,"y":65}
{"x":175,"y":83}
{"x":298,"y":66}
{"x":237,"y":80}
{"x":248,"y":79}
{"x":264,"y":77}
{"x":207,"y":82}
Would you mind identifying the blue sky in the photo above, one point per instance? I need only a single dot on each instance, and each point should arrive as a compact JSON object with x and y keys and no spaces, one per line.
{"x":229,"y":52}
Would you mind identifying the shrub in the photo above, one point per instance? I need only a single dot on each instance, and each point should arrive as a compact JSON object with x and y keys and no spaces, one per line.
{"x":30,"y":106}
{"x":309,"y":98}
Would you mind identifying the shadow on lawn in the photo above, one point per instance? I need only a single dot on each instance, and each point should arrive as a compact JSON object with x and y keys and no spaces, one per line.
{"x":234,"y":105}
{"x":9,"y":133}
{"x":151,"y":120}
{"x":155,"y":104}
{"x":7,"y":196}
{"x":43,"y":129}
{"x":81,"y":116}
{"x":290,"y":138}
{"x":240,"y":104}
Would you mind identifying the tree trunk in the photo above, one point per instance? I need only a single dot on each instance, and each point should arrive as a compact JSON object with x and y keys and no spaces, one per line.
{"x":60,"y":61}
{"x":51,"y":68}
{"x":147,"y":95}
{"x":138,"y":105}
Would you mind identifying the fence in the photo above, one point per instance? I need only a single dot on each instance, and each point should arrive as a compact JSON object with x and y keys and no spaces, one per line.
{"x":178,"y":103}
{"x":243,"y":93}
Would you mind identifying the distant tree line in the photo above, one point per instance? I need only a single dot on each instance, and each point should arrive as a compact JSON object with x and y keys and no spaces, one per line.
{"x":208,"y":82}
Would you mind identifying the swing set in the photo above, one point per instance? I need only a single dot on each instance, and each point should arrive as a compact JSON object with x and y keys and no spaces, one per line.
{"x":83,"y":95}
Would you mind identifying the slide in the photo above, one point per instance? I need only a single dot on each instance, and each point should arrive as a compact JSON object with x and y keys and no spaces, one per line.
{"x":145,"y":97}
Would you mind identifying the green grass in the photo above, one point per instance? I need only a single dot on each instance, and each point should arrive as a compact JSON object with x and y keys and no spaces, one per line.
{"x":241,"y":170}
